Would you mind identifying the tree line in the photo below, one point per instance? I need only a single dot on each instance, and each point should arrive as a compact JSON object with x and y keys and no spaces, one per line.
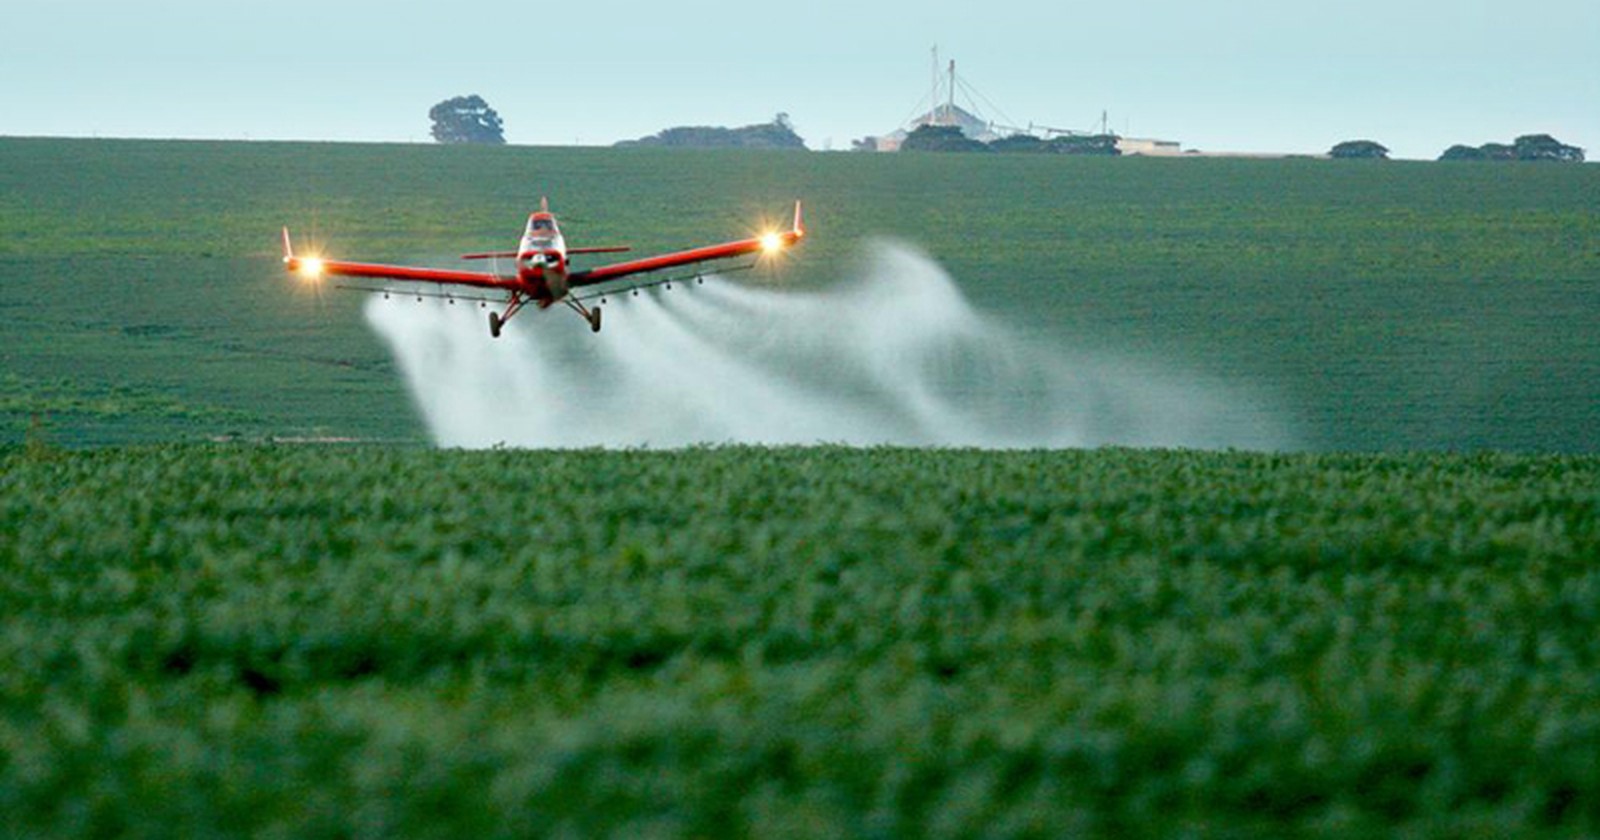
{"x":469,"y":119}
{"x":1526,"y":147}
{"x":1530,"y":147}
{"x":778,"y":134}
{"x":949,"y":138}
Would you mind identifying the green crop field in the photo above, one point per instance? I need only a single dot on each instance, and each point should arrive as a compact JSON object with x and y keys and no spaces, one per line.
{"x":1376,"y":306}
{"x":1394,"y":630}
{"x":381,"y":641}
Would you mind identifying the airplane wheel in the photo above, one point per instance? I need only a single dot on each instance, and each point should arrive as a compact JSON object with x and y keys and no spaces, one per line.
{"x":594,"y":322}
{"x":495,"y":324}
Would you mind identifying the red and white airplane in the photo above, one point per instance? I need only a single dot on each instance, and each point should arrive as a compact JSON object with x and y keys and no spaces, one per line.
{"x":544,"y":274}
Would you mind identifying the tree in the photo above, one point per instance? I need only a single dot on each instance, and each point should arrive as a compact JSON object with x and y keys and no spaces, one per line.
{"x":1462,"y":152}
{"x":1019,"y":143}
{"x":1498,"y":151}
{"x":1526,"y":147}
{"x":466,"y":119}
{"x":1359,"y":150}
{"x":778,"y":134}
{"x":940,"y":138}
{"x":1545,"y":147}
{"x":1085,"y":144}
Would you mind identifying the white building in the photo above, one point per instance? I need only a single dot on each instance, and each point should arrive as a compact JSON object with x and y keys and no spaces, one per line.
{"x":971,"y":126}
{"x":1149,"y":147}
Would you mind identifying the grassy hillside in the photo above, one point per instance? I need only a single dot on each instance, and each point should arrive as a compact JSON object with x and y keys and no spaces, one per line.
{"x":797,"y":642}
{"x":1382,"y":306}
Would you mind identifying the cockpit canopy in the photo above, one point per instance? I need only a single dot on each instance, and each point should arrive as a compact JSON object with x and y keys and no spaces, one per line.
{"x":541,"y":233}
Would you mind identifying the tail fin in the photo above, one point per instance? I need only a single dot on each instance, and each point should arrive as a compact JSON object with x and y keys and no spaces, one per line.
{"x":288,"y":249}
{"x":544,"y":204}
{"x":799,"y":224}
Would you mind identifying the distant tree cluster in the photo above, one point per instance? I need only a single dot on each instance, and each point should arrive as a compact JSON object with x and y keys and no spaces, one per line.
{"x":778,"y":134}
{"x":1083,"y":144}
{"x":941,"y":138}
{"x":1359,"y":150}
{"x":948,"y":138}
{"x":1526,"y":147}
{"x":466,"y":119}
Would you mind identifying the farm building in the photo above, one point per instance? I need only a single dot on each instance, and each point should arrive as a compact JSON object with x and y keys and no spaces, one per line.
{"x":971,"y":126}
{"x":1148,"y":146}
{"x":945,"y":112}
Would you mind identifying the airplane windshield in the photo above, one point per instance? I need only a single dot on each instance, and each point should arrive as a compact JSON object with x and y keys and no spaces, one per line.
{"x":542,"y":224}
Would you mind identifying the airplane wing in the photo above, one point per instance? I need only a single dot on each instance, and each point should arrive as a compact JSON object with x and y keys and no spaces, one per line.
{"x":767,"y":243}
{"x":315,"y":267}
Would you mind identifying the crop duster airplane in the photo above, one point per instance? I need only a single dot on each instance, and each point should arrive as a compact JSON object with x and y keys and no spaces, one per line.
{"x":544,"y":274}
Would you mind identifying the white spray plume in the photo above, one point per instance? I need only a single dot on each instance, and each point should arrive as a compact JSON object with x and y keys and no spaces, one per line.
{"x":896,"y":356}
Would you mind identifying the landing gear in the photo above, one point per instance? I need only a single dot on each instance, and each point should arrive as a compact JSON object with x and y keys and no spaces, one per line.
{"x":590,"y":315}
{"x":497,"y":321}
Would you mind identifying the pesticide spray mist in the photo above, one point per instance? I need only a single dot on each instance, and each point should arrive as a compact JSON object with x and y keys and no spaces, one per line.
{"x":894,"y":356}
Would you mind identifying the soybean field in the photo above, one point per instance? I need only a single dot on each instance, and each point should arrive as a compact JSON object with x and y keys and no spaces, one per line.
{"x":1369,"y":305}
{"x":214,"y":621}
{"x":823,"y":641}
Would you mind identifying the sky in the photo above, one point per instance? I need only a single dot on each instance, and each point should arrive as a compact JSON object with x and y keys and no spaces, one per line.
{"x":1232,"y":75}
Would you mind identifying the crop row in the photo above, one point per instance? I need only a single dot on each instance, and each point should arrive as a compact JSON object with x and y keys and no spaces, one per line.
{"x":372,"y":640}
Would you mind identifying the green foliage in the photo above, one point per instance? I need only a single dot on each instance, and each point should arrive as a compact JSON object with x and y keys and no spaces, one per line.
{"x":1024,"y":143}
{"x":1359,"y":150}
{"x":1075,"y":144}
{"x":24,"y":398}
{"x":949,"y":138}
{"x":466,"y":119}
{"x":778,"y":134}
{"x":1462,"y":152}
{"x":1528,"y":147}
{"x":940,"y":138}
{"x":1401,"y":306}
{"x":36,"y":445}
{"x":1545,"y":147}
{"x":1499,"y":151}
{"x":814,"y":642}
